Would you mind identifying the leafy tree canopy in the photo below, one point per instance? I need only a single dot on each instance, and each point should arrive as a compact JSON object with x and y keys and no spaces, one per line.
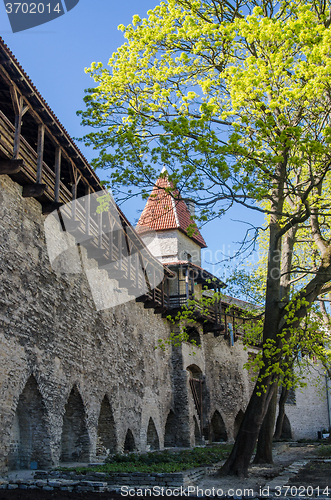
{"x":220,"y":93}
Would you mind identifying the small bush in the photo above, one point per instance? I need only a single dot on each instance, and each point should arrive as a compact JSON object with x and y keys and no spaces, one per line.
{"x":324,"y":450}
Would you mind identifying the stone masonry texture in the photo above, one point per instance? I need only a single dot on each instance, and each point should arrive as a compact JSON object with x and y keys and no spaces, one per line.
{"x":76,"y":381}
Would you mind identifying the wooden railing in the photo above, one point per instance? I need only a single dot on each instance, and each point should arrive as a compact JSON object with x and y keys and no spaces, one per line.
{"x":121,"y":253}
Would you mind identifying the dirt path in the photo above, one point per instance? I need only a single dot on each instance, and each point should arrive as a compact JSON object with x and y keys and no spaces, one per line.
{"x":263,"y":480}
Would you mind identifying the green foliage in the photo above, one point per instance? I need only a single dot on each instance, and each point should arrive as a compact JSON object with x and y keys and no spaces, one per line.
{"x":219,"y":98}
{"x":324,"y":450}
{"x":164,"y":461}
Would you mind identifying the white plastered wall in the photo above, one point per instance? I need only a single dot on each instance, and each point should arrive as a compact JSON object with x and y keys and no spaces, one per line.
{"x":310,"y":412}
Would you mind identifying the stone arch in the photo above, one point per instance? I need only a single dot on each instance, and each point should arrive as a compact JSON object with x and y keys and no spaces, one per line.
{"x":197,"y":435}
{"x":29,"y":438}
{"x":217,"y":428}
{"x":106,"y":432}
{"x":129,"y":443}
{"x":194,"y":371}
{"x":75,"y":441}
{"x":286,"y":429}
{"x":152,"y":436}
{"x":237,"y":422}
{"x":170,"y":433}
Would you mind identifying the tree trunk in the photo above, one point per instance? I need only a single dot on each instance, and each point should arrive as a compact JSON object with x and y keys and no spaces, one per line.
{"x":281,"y":413}
{"x":264,"y":445}
{"x":243,"y":449}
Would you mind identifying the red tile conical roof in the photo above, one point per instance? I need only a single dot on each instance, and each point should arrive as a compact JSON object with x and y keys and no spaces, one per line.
{"x":163,"y":212}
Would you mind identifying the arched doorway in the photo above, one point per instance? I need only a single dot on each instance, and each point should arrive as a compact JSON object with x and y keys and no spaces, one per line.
{"x":170,"y":434}
{"x":197,"y":434}
{"x":106,"y":434}
{"x":197,"y":391}
{"x":152,"y":436}
{"x":75,"y":442}
{"x":129,"y":443}
{"x":237,"y":422}
{"x":217,"y":428}
{"x":29,"y":440}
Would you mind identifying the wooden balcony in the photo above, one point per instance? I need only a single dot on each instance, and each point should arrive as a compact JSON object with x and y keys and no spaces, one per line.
{"x":37,"y":153}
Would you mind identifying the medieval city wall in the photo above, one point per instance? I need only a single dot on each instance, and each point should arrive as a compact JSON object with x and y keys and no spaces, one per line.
{"x":68,"y":371}
{"x":77,"y":379}
{"x":230,"y":384}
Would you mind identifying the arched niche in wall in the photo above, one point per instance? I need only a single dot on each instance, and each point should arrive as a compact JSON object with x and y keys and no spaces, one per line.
{"x":170,"y":433}
{"x":106,"y":433}
{"x":286,"y":429}
{"x":129,"y":442}
{"x":217,"y":428}
{"x":152,"y":436}
{"x":75,"y":442}
{"x":237,"y":422}
{"x":29,"y":439}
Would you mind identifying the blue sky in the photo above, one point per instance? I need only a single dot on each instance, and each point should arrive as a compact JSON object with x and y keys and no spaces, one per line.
{"x":55,"y":54}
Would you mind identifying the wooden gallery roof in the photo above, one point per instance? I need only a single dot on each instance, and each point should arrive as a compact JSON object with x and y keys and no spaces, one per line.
{"x":37,"y":152}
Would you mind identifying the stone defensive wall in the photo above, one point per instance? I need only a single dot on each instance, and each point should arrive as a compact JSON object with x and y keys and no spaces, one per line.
{"x":78,"y":380}
{"x":73,"y":378}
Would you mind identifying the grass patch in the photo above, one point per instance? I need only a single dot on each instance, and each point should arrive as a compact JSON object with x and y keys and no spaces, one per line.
{"x":163,"y":461}
{"x":324,"y":450}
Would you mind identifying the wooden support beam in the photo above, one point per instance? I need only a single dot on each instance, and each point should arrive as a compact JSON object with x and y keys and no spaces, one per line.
{"x":162,"y":293}
{"x":34,"y":190}
{"x":100,"y":230}
{"x":111,"y":243}
{"x":40,"y":152}
{"x":73,"y":227}
{"x":48,"y":208}
{"x":57,"y":174}
{"x":18,"y":125}
{"x":87,"y":209}
{"x":14,"y":98}
{"x":75,"y":178}
{"x":137,"y":269}
{"x":129,"y":261}
{"x":120,"y":252}
{"x":25,"y":109}
{"x":125,"y":283}
{"x":10,"y":166}
{"x":73,"y":202}
{"x":100,"y":255}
